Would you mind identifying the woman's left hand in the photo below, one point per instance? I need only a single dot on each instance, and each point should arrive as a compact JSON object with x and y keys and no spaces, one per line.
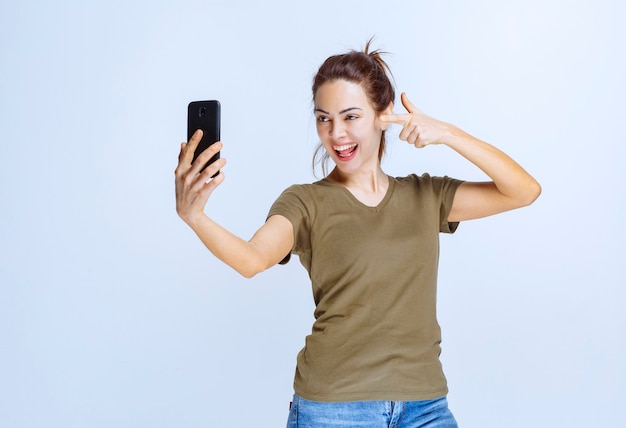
{"x":418,"y":128}
{"x":511,"y":186}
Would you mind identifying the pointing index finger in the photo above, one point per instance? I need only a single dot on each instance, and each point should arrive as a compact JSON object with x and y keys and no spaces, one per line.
{"x":399,"y":119}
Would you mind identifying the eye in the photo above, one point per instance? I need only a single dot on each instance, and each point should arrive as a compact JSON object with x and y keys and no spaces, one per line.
{"x":352,"y":117}
{"x":322,"y":119}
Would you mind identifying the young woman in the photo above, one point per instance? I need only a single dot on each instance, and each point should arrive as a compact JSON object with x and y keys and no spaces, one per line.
{"x":370,"y":244}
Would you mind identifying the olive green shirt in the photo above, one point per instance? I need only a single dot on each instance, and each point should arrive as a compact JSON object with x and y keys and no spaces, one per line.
{"x":374,"y":276}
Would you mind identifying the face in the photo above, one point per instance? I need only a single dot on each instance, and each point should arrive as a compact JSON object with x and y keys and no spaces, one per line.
{"x":348,"y":125}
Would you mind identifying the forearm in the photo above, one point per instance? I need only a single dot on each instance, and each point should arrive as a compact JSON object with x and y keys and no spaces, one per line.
{"x":238,"y":253}
{"x":511,"y":180}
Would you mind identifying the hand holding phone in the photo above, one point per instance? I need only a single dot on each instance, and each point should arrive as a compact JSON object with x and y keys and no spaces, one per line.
{"x":204,"y":115}
{"x":192,"y":188}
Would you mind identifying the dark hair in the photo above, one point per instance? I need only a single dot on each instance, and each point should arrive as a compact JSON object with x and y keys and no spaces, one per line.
{"x":369,"y":70}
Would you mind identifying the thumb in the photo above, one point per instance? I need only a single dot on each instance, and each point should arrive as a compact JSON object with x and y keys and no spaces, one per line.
{"x":408,"y":105}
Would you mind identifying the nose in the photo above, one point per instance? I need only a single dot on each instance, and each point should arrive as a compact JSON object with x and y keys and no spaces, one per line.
{"x":337,"y":130}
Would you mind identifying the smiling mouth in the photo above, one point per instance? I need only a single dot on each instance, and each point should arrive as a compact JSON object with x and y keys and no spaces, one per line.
{"x":346,"y":150}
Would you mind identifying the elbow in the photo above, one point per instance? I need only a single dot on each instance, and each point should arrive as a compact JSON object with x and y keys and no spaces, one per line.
{"x":250,"y":270}
{"x":248,"y":275}
{"x":532,"y":192}
{"x":524,"y":196}
{"x":256,"y":261}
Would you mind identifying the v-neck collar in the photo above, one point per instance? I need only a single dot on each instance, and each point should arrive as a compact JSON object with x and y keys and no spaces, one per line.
{"x":357,"y":202}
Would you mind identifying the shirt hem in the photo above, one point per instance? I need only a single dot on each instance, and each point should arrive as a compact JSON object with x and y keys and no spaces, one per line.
{"x":374,"y":396}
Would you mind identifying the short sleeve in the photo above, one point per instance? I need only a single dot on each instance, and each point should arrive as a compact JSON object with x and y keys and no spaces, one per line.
{"x":445,"y":188}
{"x":292,"y":205}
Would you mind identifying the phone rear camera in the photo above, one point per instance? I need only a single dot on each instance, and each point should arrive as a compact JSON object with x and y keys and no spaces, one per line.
{"x":202,"y":111}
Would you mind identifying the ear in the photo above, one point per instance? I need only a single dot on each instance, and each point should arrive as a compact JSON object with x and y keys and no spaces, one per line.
{"x":388,"y":110}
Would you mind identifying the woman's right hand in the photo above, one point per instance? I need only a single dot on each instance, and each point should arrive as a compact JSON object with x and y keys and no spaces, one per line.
{"x":193,"y":187}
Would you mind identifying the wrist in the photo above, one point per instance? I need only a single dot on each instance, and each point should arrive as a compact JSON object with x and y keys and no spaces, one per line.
{"x":195,"y":220}
{"x":455,"y":137}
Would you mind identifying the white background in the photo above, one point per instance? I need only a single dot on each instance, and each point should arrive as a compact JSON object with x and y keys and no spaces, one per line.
{"x":112,"y":313}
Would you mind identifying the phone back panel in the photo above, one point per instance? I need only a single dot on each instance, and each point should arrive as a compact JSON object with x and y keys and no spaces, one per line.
{"x":204,"y":115}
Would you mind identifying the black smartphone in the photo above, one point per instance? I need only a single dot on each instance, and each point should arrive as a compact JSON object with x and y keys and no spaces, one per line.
{"x":204,"y":115}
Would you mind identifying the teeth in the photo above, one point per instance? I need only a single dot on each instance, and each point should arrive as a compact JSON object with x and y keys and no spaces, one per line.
{"x":344,"y":147}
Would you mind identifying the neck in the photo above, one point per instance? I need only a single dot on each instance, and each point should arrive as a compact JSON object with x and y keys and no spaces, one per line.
{"x":372,"y":181}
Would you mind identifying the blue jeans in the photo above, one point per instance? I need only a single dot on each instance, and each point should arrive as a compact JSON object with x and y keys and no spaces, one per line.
{"x":371,"y":414}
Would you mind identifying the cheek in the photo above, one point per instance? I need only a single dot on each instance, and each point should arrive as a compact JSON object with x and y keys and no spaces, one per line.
{"x":374,"y":130}
{"x":379,"y":125}
{"x":321,"y":130}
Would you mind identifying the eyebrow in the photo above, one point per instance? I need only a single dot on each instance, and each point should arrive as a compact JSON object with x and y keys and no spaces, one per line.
{"x":341,"y":112}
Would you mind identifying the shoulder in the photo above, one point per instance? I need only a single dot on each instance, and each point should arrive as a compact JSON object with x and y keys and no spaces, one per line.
{"x":440,"y":190}
{"x":426,"y":181}
{"x":305,"y":192}
{"x":300,"y":200}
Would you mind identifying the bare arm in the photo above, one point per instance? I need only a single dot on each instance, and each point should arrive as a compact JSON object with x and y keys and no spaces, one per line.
{"x":269,"y":244}
{"x":511,"y":186}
